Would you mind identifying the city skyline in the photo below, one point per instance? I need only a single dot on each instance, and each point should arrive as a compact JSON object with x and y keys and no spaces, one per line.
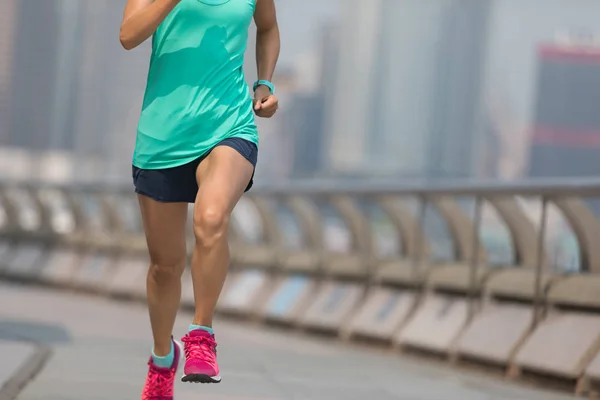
{"x":442,"y":89}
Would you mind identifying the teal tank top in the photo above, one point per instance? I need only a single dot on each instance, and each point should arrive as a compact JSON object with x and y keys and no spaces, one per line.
{"x":196,"y":93}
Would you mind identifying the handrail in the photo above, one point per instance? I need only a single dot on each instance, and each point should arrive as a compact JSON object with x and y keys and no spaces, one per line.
{"x":442,"y":196}
{"x":529,"y":187}
{"x":361,"y":278}
{"x":532,"y":187}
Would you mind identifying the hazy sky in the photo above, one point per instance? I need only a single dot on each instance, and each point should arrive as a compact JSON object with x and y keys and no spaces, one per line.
{"x":298,"y":20}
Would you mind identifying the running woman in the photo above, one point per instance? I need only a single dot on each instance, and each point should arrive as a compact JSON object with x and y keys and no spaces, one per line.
{"x":196,"y":143}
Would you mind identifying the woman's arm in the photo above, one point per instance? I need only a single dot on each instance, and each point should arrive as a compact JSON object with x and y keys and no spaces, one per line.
{"x":267,"y":52}
{"x":141,"y":18}
{"x":267,"y":38}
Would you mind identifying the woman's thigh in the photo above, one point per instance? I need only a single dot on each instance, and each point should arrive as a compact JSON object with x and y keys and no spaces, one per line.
{"x":164,"y":225}
{"x":222,"y":179}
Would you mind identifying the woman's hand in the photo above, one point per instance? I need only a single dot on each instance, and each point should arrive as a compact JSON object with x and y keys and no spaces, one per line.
{"x":265,"y":103}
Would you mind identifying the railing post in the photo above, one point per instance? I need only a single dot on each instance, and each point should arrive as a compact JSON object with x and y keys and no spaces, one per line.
{"x":420,"y":236}
{"x":539,"y":263}
{"x":474,"y":262}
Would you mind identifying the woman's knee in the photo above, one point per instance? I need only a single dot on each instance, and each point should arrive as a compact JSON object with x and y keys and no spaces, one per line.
{"x":210,"y":224}
{"x":167,"y":268}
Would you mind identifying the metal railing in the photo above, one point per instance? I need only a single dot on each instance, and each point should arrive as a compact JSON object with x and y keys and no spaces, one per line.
{"x":329,"y":235}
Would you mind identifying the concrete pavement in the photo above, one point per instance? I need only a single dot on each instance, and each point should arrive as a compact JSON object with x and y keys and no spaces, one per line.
{"x":18,"y":362}
{"x":101,"y":346}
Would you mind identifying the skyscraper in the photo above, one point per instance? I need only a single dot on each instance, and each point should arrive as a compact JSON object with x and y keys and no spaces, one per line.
{"x":74,"y":90}
{"x":109,"y":87}
{"x":566,"y":129}
{"x":512,"y":82}
{"x":7,"y":37}
{"x":358,"y":51}
{"x":305,"y":118}
{"x":406,"y":87}
{"x":34,"y":73}
{"x":459,"y":119}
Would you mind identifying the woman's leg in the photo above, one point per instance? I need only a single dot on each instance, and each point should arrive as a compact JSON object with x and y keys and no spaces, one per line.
{"x":164,"y":224}
{"x":222,"y":178}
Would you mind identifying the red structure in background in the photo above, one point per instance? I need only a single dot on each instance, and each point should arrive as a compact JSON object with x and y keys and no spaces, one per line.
{"x":566,"y":131}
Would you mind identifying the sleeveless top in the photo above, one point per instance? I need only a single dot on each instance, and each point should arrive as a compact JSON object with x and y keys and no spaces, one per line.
{"x":196,"y":94}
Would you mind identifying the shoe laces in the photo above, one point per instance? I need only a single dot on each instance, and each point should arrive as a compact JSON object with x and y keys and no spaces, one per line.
{"x":200,"y":347}
{"x":160,"y":382}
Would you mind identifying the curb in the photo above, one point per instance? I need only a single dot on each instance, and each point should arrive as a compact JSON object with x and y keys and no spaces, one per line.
{"x":27,"y":372}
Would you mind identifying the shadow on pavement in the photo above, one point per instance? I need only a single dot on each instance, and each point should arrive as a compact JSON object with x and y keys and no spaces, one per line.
{"x":33,"y":332}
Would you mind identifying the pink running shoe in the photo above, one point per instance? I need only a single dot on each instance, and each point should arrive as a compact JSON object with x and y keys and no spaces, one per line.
{"x":200,"y":358}
{"x":160,"y":382}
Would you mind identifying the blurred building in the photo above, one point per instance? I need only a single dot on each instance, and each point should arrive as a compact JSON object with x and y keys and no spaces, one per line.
{"x":7,"y":33}
{"x":7,"y":27}
{"x":305,"y":119}
{"x":407,"y":88}
{"x":304,"y":125}
{"x":347,"y":113}
{"x":108,"y":87}
{"x":293,"y":145}
{"x":461,"y":128}
{"x":34,"y":83}
{"x":513,"y":67}
{"x":566,"y":130}
{"x":75,"y":93}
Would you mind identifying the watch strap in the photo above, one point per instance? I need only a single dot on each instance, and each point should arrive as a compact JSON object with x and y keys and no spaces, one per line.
{"x":266,"y":83}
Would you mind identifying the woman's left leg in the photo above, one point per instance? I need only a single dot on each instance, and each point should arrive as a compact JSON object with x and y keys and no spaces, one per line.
{"x":222,"y":179}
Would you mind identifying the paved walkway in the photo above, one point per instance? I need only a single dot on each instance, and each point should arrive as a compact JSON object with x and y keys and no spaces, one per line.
{"x":14,"y":357}
{"x":101,"y":346}
{"x":19,"y":362}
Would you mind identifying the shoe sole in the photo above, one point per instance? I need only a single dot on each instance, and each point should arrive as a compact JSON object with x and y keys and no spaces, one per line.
{"x":200,"y":378}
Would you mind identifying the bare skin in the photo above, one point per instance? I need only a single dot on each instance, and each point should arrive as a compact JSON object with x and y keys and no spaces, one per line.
{"x":267,"y":52}
{"x":164,"y":224}
{"x":214,"y":203}
{"x":222,"y":178}
{"x":141,"y":18}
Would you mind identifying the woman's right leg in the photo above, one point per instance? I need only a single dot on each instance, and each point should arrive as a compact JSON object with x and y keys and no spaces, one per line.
{"x":164,"y":225}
